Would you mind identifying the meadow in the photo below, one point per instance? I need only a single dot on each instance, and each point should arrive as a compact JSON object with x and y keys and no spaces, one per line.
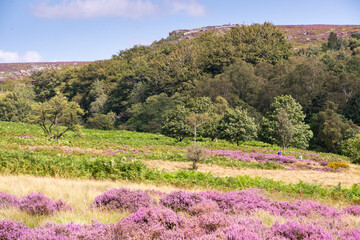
{"x":128,"y":185}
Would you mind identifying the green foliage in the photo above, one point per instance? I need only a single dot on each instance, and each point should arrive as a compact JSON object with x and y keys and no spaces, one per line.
{"x":237,"y":126}
{"x":149,"y":116}
{"x":16,"y":105}
{"x":176,"y":125}
{"x":333,"y":43}
{"x":102,"y":121}
{"x":199,"y":109}
{"x":97,"y":94}
{"x":286,"y":113}
{"x":24,"y":162}
{"x":351,"y":148}
{"x":54,"y":113}
{"x":330,"y":129}
{"x":258,"y":43}
{"x":248,"y":66}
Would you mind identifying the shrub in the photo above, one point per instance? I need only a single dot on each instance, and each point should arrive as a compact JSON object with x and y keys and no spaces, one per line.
{"x":39,"y":204}
{"x":336,"y":165}
{"x":8,"y":200}
{"x":123,"y":199}
{"x":205,"y":206}
{"x":352,"y":209}
{"x":294,"y":230}
{"x":196,"y":153}
{"x":10,"y":230}
{"x":150,"y":223}
{"x":179,"y":200}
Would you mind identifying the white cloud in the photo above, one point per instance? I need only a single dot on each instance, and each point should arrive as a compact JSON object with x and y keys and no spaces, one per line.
{"x":6,"y":57}
{"x":11,"y":57}
{"x":189,"y":7}
{"x":84,"y":9}
{"x":32,"y":56}
{"x":133,"y":9}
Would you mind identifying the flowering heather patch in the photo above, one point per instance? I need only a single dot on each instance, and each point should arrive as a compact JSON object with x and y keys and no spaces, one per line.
{"x":39,"y":204}
{"x":201,"y":215}
{"x":150,"y":223}
{"x":292,"y":163}
{"x":295,"y":230}
{"x":352,"y":209}
{"x":8,"y":200}
{"x":123,"y":199}
{"x":179,"y":200}
{"x":10,"y":230}
{"x":245,"y":201}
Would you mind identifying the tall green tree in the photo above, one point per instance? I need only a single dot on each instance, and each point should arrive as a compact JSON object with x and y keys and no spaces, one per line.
{"x":149,"y":116}
{"x":176,"y":124}
{"x":16,"y":105}
{"x":260,"y":43}
{"x":334,"y":43}
{"x":199,"y":109}
{"x":217,"y":111}
{"x":285,"y":124}
{"x":236,"y":125}
{"x":351,"y":148}
{"x":56,"y":116}
{"x":330,"y":129}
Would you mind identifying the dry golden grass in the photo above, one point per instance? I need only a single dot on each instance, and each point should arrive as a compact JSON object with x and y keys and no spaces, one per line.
{"x":346,"y":178}
{"x":77,"y":193}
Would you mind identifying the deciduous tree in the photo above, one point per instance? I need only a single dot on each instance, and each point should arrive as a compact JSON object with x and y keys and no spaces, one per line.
{"x":56,"y":116}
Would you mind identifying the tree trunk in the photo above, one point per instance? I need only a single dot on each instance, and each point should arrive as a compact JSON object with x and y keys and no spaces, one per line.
{"x":195,"y":133}
{"x":194,"y":165}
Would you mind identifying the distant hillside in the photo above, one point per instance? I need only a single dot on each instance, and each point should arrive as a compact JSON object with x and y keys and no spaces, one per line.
{"x":10,"y":71}
{"x":298,"y":35}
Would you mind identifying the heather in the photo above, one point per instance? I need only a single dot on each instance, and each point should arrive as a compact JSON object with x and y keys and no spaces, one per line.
{"x":206,"y":215}
{"x":8,"y":200}
{"x":39,"y":204}
{"x":33,"y":203}
{"x":123,"y":199}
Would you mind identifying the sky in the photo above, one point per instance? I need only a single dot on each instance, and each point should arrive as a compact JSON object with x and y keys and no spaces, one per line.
{"x":89,"y":30}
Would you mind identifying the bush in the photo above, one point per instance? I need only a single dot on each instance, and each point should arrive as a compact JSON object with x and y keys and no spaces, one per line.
{"x":39,"y":204}
{"x":8,"y":200}
{"x":10,"y":230}
{"x":123,"y":199}
{"x":196,"y":153}
{"x":150,"y":223}
{"x":179,"y":200}
{"x":336,"y":165}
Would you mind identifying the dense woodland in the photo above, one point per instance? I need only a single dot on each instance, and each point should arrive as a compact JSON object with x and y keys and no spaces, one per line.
{"x":246,"y":84}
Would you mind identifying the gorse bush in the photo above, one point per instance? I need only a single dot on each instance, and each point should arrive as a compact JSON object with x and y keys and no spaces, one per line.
{"x":336,"y":165}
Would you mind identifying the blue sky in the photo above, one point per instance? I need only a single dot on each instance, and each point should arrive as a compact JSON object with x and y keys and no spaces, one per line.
{"x":88,"y":30}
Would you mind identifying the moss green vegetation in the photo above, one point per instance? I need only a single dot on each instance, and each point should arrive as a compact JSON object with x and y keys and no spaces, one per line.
{"x":24,"y":162}
{"x":24,"y":151}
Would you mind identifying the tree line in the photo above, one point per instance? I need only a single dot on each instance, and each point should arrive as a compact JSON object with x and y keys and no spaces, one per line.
{"x":248,"y":78}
